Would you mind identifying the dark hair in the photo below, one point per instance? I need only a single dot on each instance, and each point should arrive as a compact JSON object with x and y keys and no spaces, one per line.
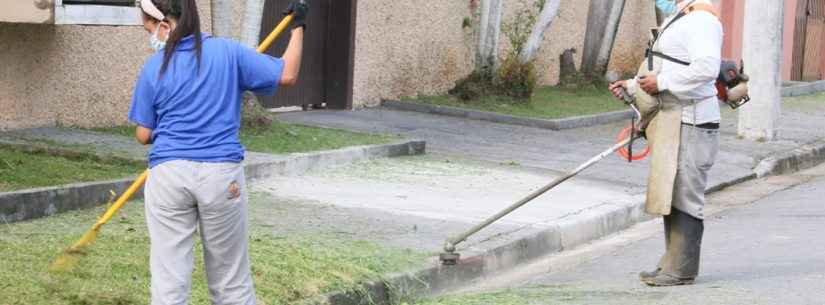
{"x":185,"y":13}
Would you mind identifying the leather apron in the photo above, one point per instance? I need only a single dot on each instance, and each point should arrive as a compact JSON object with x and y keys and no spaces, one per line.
{"x":662,"y":120}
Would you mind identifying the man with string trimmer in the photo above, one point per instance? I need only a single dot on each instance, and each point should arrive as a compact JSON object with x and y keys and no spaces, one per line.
{"x":676,"y":92}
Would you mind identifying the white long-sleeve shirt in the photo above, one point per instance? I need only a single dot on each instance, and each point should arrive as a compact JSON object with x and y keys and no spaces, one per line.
{"x":695,"y":38}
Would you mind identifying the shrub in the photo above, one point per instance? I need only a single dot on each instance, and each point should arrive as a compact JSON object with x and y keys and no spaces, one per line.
{"x":516,"y":79}
{"x":512,"y":78}
{"x":474,"y":86}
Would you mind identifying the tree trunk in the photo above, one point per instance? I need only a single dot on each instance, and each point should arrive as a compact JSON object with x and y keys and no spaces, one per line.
{"x":602,"y":24}
{"x":251,"y":25}
{"x":222,"y":18}
{"x":603,"y":58}
{"x":548,"y":14}
{"x":567,"y":69}
{"x":489,"y":32}
{"x":253,"y":114}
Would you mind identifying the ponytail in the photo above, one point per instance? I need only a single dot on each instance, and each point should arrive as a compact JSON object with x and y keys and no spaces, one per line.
{"x":185,"y":13}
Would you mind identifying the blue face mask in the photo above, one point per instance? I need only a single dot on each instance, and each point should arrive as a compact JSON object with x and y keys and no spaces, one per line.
{"x":666,"y":6}
{"x":154,"y":42}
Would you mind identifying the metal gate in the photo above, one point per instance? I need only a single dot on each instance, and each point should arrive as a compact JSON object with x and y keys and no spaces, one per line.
{"x":814,"y":32}
{"x":326,"y":64}
{"x":809,"y":41}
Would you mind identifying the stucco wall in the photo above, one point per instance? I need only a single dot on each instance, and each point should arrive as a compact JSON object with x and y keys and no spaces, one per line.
{"x":631,"y":40}
{"x":406,"y":48}
{"x":71,"y":74}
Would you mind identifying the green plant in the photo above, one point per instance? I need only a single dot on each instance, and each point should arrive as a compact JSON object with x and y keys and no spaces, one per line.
{"x":512,"y":78}
{"x":516,"y":79}
{"x":473,"y":87}
{"x":518,"y":30}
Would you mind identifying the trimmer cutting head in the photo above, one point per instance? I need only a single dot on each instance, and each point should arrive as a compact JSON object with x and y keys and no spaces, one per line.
{"x":449,"y":258}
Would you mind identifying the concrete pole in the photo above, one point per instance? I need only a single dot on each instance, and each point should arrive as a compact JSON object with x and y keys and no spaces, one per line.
{"x":762,"y":54}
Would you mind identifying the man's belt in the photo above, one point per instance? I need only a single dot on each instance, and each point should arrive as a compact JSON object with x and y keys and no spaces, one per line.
{"x":704,"y":126}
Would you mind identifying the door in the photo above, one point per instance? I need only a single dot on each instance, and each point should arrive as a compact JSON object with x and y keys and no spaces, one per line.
{"x":326,"y":66}
{"x":814,"y":33}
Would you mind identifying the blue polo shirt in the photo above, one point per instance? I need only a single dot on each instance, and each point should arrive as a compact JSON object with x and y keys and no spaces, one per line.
{"x":196,"y":114}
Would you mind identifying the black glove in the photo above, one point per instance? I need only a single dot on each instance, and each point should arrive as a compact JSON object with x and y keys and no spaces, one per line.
{"x":299,"y":9}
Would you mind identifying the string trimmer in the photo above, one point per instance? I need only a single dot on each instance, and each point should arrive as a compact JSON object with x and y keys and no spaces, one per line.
{"x":451,"y":257}
{"x":71,"y":255}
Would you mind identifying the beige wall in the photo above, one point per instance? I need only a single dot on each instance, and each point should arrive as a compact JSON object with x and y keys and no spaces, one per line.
{"x":70,"y":75}
{"x":409,"y":47}
{"x":84,"y":75}
{"x":32,"y":11}
{"x":406,"y":48}
{"x":634,"y":32}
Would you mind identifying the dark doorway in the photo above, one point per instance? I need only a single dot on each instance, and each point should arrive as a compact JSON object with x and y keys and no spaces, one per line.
{"x":326,"y":68}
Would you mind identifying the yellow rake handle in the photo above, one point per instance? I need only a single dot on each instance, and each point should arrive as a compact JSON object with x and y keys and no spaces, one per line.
{"x":274,"y":34}
{"x":123,"y":198}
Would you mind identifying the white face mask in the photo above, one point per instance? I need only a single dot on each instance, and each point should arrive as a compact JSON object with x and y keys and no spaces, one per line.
{"x":154,"y":42}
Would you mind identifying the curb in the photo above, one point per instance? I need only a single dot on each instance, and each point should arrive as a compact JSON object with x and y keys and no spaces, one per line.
{"x":805,"y":89}
{"x":47,"y":201}
{"x":589,"y":225}
{"x":803,"y":157}
{"x":557,"y":124}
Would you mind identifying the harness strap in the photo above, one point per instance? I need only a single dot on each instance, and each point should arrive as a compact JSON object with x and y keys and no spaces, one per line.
{"x":668,"y":58}
{"x":649,"y":51}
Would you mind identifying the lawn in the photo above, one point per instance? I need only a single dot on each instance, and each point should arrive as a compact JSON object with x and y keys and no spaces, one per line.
{"x":19,"y":170}
{"x":808,"y":102}
{"x":283,"y":138}
{"x":115,"y":270}
{"x":546,"y":103}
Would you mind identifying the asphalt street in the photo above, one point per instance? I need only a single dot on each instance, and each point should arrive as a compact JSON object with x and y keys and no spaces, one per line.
{"x":764,"y":244}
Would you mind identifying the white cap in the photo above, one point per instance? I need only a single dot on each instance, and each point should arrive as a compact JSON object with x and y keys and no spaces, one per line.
{"x":150,"y":9}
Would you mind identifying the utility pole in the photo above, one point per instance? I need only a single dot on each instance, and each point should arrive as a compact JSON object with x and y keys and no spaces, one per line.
{"x":762,"y":55}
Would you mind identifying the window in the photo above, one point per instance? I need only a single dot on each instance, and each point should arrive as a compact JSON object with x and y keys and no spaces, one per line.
{"x":101,"y":2}
{"x":97,"y":12}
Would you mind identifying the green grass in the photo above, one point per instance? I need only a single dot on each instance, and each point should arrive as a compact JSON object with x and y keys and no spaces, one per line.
{"x":282,"y":138}
{"x":115,"y":271}
{"x":20,"y":170}
{"x":811,"y":101}
{"x":121,"y":130}
{"x":546,"y":103}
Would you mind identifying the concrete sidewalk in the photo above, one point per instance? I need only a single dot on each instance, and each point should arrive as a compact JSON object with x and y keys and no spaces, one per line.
{"x":563,"y":150}
{"x":418,"y":202}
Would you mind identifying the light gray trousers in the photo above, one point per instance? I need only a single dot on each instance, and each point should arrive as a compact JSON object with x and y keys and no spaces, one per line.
{"x":183,"y":197}
{"x":684,"y":226}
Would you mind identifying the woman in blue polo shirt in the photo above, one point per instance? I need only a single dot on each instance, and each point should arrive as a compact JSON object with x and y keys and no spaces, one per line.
{"x":187,"y":103}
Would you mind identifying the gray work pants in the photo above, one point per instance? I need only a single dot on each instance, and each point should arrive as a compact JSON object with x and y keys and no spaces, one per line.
{"x":185,"y":196}
{"x":684,"y":226}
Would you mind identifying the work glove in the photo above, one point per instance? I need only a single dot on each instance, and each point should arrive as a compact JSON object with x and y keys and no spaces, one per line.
{"x":300,"y":9}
